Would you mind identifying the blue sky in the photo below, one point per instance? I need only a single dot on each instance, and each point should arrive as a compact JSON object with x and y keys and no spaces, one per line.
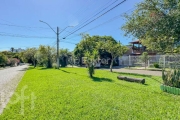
{"x":19,"y":20}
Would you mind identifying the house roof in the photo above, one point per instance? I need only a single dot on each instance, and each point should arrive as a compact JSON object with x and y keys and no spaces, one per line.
{"x":135,"y":42}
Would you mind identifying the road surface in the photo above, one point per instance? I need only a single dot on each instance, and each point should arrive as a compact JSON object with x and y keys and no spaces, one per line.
{"x":9,"y":79}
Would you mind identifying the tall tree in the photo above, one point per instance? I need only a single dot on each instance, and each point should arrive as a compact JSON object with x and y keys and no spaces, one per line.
{"x":12,"y":49}
{"x":156,"y":24}
{"x":29,"y":54}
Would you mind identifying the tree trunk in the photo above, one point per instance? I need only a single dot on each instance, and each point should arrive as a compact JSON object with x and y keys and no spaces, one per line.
{"x":111,"y":64}
{"x":34,"y":62}
{"x":138,"y":80}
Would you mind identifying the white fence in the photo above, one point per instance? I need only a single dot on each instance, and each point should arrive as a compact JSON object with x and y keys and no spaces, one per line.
{"x":163,"y":61}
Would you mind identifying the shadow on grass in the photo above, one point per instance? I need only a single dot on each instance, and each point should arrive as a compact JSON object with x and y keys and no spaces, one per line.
{"x":139,"y":90}
{"x":45,"y":68}
{"x":157,"y":80}
{"x":97,"y":79}
{"x":66,"y":71}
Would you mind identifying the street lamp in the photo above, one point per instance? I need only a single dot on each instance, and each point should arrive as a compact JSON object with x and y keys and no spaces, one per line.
{"x":57,"y":33}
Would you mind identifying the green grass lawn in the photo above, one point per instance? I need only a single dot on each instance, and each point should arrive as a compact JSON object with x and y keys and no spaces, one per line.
{"x":69,"y":93}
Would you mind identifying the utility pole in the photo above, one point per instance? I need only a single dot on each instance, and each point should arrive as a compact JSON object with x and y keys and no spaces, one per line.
{"x":58,"y":47}
{"x":57,"y":33}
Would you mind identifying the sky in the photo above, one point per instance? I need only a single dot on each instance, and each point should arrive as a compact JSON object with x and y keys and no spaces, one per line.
{"x":20,"y":26}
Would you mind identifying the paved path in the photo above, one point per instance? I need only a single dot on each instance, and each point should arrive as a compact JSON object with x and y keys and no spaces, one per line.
{"x":9,"y":79}
{"x":145,"y":72}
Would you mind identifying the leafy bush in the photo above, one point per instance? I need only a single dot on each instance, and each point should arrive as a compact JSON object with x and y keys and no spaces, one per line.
{"x":3,"y":59}
{"x":156,"y":65}
{"x":55,"y":65}
{"x":171,"y":78}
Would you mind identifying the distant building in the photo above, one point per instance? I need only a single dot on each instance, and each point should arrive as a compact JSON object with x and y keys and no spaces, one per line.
{"x":136,"y":48}
{"x":18,"y":50}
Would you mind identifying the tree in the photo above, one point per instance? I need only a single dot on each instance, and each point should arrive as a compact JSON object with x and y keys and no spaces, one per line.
{"x":90,"y":43}
{"x":156,"y":24}
{"x":45,"y":55}
{"x":3,"y":59}
{"x":114,"y":48}
{"x":64,"y":56}
{"x":71,"y":59}
{"x":145,"y":58}
{"x":91,"y":61}
{"x":12,"y":49}
{"x":29,"y":54}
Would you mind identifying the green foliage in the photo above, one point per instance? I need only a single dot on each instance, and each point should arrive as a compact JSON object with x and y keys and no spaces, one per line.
{"x":3,"y":59}
{"x":91,"y":61}
{"x":29,"y":54}
{"x":145,"y":58}
{"x":115,"y":49}
{"x":156,"y":24}
{"x":76,"y":96}
{"x":156,"y":65}
{"x":171,"y":78}
{"x":90,"y":43}
{"x":45,"y":56}
{"x":54,"y":65}
{"x":64,"y":56}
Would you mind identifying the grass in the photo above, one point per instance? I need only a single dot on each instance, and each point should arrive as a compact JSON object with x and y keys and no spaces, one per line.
{"x":69,"y":93}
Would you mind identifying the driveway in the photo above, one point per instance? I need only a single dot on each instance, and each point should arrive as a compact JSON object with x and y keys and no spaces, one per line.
{"x":144,"y":72}
{"x":9,"y":79}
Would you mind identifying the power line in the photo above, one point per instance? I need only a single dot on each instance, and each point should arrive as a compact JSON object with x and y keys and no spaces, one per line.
{"x":12,"y":25}
{"x":89,"y":18}
{"x":106,"y":22}
{"x":24,"y":36}
{"x":96,"y":18}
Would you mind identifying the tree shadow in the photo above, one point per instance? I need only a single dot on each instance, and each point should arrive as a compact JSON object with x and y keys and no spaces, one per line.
{"x":44,"y":68}
{"x":98,"y":79}
{"x":140,"y":90}
{"x":66,"y":71}
{"x":156,"y":80}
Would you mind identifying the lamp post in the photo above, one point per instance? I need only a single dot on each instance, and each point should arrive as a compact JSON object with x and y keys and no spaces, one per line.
{"x":57,"y":33}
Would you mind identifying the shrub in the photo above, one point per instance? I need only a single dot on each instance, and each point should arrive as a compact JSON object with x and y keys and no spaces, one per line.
{"x":156,"y":65}
{"x":3,"y":59}
{"x":171,"y":78}
{"x":55,"y":65}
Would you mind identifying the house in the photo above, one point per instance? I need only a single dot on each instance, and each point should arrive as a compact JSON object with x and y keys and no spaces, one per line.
{"x":136,"y":48}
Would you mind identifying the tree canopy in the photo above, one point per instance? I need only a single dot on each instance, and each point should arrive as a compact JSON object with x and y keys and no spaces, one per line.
{"x":90,"y":43}
{"x":156,"y":24}
{"x":115,"y":49}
